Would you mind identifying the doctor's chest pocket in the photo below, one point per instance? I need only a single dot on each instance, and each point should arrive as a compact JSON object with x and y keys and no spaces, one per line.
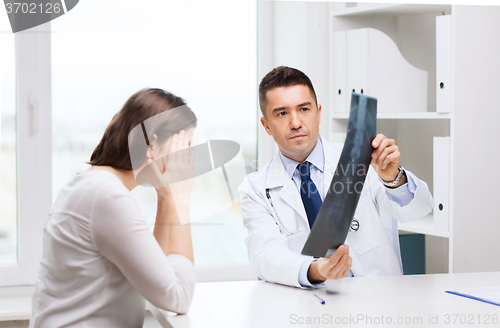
{"x":287,"y":221}
{"x":370,"y":233}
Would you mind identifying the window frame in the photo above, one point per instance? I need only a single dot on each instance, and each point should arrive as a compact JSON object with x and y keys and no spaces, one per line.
{"x":34,"y":152}
{"x":34,"y":162}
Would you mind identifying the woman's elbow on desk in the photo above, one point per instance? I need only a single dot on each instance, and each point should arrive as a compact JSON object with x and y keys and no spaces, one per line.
{"x":177,"y":296}
{"x":176,"y":299}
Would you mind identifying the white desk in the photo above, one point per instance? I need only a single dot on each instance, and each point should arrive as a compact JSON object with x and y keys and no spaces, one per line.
{"x":260,"y":304}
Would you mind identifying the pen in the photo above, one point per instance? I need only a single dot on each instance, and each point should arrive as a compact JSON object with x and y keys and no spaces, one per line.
{"x":269,"y":197}
{"x":317,"y":298}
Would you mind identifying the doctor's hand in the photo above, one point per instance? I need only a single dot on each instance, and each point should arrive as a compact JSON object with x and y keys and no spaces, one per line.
{"x":335,"y":267}
{"x":385,"y":159}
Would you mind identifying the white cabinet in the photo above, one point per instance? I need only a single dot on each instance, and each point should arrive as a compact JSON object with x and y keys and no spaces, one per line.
{"x":471,"y":120}
{"x":464,"y":60}
{"x":368,"y":61}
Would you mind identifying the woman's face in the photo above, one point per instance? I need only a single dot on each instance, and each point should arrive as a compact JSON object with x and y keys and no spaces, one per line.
{"x":162,"y":150}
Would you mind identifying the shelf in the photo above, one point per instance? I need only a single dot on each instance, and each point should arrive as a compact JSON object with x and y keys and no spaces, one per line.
{"x":374,"y":9}
{"x":388,"y":116}
{"x":424,"y":225}
{"x":15,"y":308}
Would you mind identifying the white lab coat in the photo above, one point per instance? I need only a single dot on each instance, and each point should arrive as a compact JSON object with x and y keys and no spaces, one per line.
{"x":278,"y":232}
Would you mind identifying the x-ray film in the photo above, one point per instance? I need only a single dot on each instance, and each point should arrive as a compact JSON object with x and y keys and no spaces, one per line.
{"x":337,"y":211}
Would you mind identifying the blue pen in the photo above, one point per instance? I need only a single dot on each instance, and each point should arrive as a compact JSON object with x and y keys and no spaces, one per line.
{"x":317,"y":298}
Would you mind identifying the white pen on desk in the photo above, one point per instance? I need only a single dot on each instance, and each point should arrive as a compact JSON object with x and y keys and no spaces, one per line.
{"x":317,"y":298}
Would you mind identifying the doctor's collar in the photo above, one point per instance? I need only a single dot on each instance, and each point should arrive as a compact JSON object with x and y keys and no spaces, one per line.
{"x":316,"y":158}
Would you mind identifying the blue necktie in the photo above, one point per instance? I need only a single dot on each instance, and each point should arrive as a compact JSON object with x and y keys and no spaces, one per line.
{"x":309,"y":193}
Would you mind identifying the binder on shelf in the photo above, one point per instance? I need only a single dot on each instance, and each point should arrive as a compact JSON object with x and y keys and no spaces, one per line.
{"x":357,"y":61}
{"x":398,"y":86}
{"x":339,"y":5}
{"x":443,"y":63}
{"x":441,"y":168}
{"x":344,"y":5}
{"x":339,"y":67}
{"x":375,"y":67}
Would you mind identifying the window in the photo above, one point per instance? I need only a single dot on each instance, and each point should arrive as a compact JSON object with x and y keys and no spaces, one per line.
{"x":8,"y":167}
{"x":203,"y":51}
{"x":61,"y":86}
{"x":25,"y":150}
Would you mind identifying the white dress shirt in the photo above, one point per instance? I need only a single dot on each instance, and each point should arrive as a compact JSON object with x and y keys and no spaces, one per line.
{"x":100,"y":260}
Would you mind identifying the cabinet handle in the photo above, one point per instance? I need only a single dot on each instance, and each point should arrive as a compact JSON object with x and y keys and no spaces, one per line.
{"x":441,"y":85}
{"x":34,"y":114}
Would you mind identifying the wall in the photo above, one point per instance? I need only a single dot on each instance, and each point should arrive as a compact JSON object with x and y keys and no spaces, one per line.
{"x":476,"y":208}
{"x":294,"y":34}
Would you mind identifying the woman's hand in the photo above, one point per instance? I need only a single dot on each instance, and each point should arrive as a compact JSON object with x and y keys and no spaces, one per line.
{"x":153,"y":173}
{"x":172,"y":214}
{"x":177,"y":168}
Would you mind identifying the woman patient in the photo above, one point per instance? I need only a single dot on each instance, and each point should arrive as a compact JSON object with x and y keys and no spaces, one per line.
{"x":100,"y":261}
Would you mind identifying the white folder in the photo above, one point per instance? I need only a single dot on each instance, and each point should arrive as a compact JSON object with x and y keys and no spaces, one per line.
{"x":441,"y":167}
{"x":339,"y":62}
{"x":443,"y":63}
{"x":375,"y":67}
{"x":339,"y":5}
{"x":357,"y":61}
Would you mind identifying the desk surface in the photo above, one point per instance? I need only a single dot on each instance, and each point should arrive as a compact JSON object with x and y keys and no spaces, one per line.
{"x":405,"y":301}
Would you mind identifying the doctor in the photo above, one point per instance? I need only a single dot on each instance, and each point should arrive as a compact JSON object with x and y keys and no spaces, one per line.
{"x":280,"y":202}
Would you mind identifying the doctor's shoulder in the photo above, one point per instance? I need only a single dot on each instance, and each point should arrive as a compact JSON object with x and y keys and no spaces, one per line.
{"x":254,"y":182}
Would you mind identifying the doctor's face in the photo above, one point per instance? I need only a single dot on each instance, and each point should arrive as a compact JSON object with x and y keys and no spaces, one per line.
{"x":293,"y":119}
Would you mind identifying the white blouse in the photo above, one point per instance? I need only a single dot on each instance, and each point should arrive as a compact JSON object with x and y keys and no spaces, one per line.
{"x":100,"y":260}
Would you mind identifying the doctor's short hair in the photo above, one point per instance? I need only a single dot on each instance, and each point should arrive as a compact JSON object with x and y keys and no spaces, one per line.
{"x":282,"y":76}
{"x":113,"y":149}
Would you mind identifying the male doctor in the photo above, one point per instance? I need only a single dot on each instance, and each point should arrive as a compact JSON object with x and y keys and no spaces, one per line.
{"x":280,"y":202}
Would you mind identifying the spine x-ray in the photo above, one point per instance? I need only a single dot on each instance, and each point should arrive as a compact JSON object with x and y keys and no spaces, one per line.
{"x":337,"y":211}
